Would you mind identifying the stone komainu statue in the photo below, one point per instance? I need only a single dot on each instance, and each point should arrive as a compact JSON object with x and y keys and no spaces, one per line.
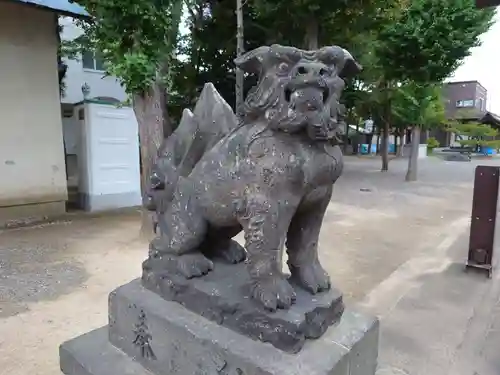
{"x":271,"y":174}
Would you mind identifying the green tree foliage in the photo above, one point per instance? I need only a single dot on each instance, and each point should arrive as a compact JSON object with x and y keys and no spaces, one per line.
{"x":207,"y":53}
{"x":475,"y":134}
{"x":209,"y":50}
{"x":311,"y":23}
{"x":137,"y":40}
{"x":133,"y":37}
{"x":424,"y":45}
{"x":61,"y":66}
{"x":418,"y":105}
{"x":430,"y":39}
{"x":421,"y":107}
{"x":432,"y":143}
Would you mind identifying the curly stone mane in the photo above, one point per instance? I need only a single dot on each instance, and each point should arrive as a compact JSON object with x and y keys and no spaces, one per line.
{"x":268,"y":99}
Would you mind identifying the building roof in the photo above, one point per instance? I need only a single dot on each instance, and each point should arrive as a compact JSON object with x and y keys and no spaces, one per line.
{"x":63,"y":7}
{"x":485,"y":117}
{"x":487,"y":3}
{"x":491,"y":117}
{"x":449,"y":83}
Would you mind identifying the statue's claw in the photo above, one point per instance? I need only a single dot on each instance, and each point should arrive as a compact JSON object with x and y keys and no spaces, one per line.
{"x":274,"y":293}
{"x":311,"y":277}
{"x":193,"y":265}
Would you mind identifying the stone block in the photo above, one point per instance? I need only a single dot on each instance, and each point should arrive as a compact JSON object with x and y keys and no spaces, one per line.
{"x":166,"y":338}
{"x":93,"y":354}
{"x":225,"y":298}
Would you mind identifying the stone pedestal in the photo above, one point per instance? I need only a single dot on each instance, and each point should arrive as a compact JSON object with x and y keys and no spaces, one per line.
{"x":224,"y":296}
{"x":148,"y":334}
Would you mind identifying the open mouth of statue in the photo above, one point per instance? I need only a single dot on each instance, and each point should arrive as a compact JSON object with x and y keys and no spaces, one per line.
{"x":307,"y":99}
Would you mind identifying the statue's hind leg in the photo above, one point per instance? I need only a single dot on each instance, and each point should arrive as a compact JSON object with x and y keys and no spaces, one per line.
{"x":219,"y":243}
{"x":182,"y":230}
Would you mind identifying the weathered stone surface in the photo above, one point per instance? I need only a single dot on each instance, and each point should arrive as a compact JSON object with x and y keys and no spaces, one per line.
{"x":270,"y":175}
{"x":224,"y":296}
{"x":182,"y":342}
{"x":196,"y":134}
{"x":93,"y":354}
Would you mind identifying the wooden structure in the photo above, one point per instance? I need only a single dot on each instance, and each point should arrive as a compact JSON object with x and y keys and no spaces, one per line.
{"x":483,"y":220}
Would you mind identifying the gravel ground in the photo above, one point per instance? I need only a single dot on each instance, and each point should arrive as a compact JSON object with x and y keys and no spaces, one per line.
{"x":55,"y":278}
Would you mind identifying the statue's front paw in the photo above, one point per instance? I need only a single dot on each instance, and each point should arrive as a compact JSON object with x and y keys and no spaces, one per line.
{"x":194,"y":265}
{"x":274,"y":293}
{"x":311,"y":277}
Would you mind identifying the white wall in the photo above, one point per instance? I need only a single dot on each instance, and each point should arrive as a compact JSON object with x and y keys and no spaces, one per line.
{"x":76,"y":75}
{"x":108,"y":157}
{"x":32,"y":168}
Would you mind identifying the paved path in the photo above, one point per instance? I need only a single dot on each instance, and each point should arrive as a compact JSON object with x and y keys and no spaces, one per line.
{"x":444,"y":320}
{"x":385,"y":243}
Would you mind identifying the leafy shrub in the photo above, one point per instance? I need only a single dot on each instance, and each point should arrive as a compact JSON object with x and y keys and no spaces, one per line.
{"x":432,"y":143}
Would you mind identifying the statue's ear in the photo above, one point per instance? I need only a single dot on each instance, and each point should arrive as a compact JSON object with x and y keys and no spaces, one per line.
{"x":341,"y":58}
{"x":350,"y":67}
{"x":251,"y":62}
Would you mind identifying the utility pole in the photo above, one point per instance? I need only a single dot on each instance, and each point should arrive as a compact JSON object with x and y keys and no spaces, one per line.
{"x":240,"y":46}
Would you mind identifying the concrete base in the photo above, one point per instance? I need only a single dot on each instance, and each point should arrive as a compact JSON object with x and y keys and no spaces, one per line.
{"x":148,"y":333}
{"x":93,"y":203}
{"x":422,"y":151}
{"x":93,"y":354}
{"x":25,"y":214}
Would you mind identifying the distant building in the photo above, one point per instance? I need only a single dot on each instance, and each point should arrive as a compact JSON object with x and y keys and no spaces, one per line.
{"x":100,"y":137}
{"x":464,"y":101}
{"x":32,"y":167}
{"x":464,"y":96}
{"x":487,"y":3}
{"x":87,"y":69}
{"x":53,"y":148}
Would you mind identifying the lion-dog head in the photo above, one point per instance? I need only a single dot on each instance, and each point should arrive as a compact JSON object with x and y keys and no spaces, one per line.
{"x":298,"y":91}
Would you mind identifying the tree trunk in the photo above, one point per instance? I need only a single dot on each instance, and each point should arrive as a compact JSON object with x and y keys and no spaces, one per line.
{"x":401,"y":145}
{"x":411,"y":174}
{"x":369,"y":141}
{"x":167,"y":123}
{"x":347,"y":129}
{"x":385,"y":147}
{"x":346,"y":138}
{"x":150,"y":118}
{"x":240,"y":47}
{"x":386,"y":119}
{"x":356,"y":140}
{"x":312,"y":34}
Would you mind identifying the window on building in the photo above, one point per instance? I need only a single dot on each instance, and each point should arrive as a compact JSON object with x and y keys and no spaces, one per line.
{"x":465,"y":103}
{"x":91,"y":60}
{"x":480,"y":104}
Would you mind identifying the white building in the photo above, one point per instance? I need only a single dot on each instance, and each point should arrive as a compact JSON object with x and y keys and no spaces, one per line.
{"x":86,"y":70}
{"x":39,"y":156}
{"x":102,"y":152}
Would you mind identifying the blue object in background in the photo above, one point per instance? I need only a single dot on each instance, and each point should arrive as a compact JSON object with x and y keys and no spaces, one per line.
{"x":392,"y":148}
{"x":488,"y":151}
{"x":364,"y":149}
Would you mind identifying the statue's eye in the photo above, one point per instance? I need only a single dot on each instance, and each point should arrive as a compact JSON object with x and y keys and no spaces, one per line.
{"x":324,"y":72}
{"x":283,"y":67}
